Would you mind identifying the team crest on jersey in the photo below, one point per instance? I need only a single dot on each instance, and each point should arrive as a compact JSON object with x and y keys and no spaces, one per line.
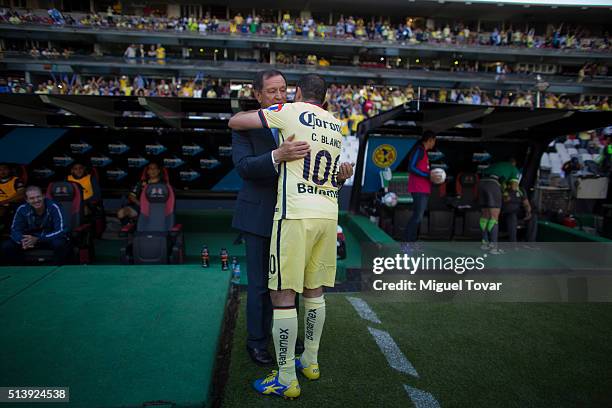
{"x":276,"y":108}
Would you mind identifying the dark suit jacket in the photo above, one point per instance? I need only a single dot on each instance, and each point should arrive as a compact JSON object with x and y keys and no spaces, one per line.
{"x":257,"y":197}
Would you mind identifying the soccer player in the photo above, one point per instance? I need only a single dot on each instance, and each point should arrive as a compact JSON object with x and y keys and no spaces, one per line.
{"x":303,"y":244}
{"x":490,"y":191}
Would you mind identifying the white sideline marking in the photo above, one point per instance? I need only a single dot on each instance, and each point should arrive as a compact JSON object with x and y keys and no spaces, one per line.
{"x":364,"y":310}
{"x":420,"y":398}
{"x":393,"y":354}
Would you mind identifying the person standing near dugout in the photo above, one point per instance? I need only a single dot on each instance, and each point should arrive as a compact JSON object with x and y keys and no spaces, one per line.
{"x":419,"y":183}
{"x":303,"y":244}
{"x":490,"y":196}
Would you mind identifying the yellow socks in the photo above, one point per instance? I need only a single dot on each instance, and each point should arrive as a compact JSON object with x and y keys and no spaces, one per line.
{"x":284,"y":333}
{"x":314,"y":319}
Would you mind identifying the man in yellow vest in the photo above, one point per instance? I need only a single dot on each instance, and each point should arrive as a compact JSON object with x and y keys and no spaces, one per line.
{"x":11,"y":193}
{"x":89,"y":185}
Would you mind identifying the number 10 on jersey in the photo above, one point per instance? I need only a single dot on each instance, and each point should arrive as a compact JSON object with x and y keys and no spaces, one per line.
{"x":315,"y":176}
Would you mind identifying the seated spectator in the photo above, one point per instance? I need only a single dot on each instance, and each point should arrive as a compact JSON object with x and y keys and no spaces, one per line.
{"x":571,"y":166}
{"x":11,"y":193}
{"x":89,"y":184}
{"x":129,"y":213}
{"x":37,"y":224}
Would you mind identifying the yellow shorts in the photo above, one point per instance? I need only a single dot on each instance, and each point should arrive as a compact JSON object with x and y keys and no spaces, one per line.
{"x":302,"y":254}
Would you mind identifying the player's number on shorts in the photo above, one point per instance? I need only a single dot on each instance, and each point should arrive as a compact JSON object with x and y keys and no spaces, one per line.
{"x":321,"y":154}
{"x":272,"y":264}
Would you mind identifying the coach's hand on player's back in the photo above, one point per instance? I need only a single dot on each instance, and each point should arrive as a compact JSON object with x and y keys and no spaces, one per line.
{"x":291,"y":150}
{"x":345,"y":172}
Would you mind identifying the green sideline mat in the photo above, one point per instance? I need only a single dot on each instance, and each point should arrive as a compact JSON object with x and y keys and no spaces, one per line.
{"x":116,"y":336}
{"x":14,"y":280}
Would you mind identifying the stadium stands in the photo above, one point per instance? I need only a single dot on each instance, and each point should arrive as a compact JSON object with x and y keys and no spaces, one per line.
{"x":349,"y":28}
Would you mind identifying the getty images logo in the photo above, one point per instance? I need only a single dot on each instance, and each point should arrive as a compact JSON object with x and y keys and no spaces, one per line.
{"x":311,"y":120}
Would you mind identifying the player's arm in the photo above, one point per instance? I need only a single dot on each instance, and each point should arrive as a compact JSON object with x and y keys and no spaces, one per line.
{"x":273,"y":117}
{"x":246,"y":120}
{"x":134,"y":195}
{"x":526,"y":205}
{"x":417,"y":155}
{"x":18,"y":227}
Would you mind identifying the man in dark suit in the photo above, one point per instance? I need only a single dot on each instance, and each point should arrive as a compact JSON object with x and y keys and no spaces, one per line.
{"x":256,"y":155}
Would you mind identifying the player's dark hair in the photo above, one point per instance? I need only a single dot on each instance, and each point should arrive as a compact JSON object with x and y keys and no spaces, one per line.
{"x":261,"y":76}
{"x":81,"y":162}
{"x":313,"y":88}
{"x":427,"y":135}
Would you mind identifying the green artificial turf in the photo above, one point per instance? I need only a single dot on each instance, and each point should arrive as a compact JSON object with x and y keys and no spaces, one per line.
{"x":349,"y":375}
{"x":466,"y":354}
{"x":117,"y":336}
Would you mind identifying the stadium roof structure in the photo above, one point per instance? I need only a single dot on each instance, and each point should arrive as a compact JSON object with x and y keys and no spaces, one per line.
{"x":478,"y":123}
{"x":120,"y":112}
{"x":484,"y":123}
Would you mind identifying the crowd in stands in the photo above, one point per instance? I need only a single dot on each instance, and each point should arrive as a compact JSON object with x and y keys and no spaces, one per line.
{"x":410,"y":31}
{"x":351,"y":103}
{"x":197,"y":87}
{"x":158,"y":53}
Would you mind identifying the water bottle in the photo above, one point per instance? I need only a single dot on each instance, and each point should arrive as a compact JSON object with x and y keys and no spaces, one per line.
{"x":236,"y":274}
{"x":224,"y":259}
{"x":205,"y":257}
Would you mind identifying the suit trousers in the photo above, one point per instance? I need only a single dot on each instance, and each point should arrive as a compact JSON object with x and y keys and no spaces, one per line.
{"x":259,"y":305}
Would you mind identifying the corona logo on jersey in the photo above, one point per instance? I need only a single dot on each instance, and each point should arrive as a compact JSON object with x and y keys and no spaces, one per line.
{"x":311,"y":120}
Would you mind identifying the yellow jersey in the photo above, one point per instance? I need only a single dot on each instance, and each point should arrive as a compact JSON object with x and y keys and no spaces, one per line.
{"x":85,"y":183}
{"x":307,"y":188}
{"x":9,"y":188}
